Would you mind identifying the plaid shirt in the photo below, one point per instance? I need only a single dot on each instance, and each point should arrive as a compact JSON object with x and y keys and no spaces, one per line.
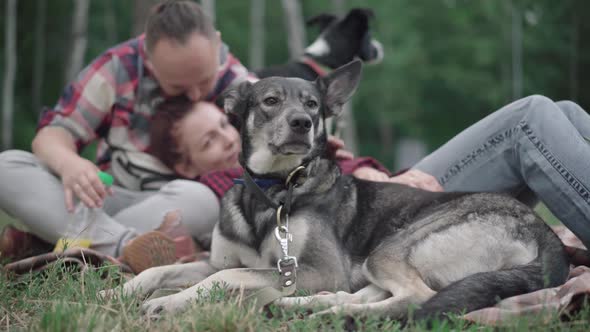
{"x":114,"y":98}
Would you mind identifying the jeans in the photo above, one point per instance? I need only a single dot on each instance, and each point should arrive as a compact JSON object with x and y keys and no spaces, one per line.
{"x":531,"y":148}
{"x":30,"y":193}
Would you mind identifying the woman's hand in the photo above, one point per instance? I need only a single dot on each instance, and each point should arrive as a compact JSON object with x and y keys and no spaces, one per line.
{"x":417,"y":179}
{"x":79,"y":177}
{"x":336,"y":149}
{"x":370,"y":174}
{"x":413,"y":178}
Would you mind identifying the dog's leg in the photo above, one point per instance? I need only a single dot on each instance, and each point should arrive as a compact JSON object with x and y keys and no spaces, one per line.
{"x":232,"y":279}
{"x":403,"y":282}
{"x":393,"y":307}
{"x":369,"y":294}
{"x":167,"y":276}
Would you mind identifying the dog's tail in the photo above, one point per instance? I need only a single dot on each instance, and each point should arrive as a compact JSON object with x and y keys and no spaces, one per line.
{"x":485,"y":289}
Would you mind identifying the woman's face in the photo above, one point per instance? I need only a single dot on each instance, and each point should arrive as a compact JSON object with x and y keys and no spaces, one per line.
{"x":207,"y":141}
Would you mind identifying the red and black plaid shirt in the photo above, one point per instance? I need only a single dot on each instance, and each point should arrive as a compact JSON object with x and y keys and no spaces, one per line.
{"x":113,"y":99}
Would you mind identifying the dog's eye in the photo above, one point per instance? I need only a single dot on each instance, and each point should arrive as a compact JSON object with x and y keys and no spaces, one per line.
{"x":311,"y":104}
{"x":270,"y":101}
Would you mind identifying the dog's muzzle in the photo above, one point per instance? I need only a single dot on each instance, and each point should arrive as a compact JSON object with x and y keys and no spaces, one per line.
{"x":300,"y":123}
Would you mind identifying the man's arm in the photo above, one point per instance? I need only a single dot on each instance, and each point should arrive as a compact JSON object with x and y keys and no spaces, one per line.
{"x":55,"y":147}
{"x":73,"y":123}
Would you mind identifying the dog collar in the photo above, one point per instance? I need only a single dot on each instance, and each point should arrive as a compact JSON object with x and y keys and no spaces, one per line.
{"x":319,"y":69}
{"x":262,"y":183}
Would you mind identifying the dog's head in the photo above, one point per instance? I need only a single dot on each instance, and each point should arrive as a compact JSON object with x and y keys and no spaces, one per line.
{"x":281,"y":120}
{"x":342,"y":40}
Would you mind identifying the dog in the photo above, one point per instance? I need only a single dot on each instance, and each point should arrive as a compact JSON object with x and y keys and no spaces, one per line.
{"x":382,"y":247}
{"x":341,"y":40}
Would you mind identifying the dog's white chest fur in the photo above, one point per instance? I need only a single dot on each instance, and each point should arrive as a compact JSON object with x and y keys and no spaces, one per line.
{"x":236,"y":254}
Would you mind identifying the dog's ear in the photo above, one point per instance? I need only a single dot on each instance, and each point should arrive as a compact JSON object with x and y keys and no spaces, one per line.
{"x":339,"y":86}
{"x":233,"y":98}
{"x":322,"y":20}
{"x":366,"y":12}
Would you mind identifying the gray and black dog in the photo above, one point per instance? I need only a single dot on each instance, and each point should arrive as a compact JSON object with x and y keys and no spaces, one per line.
{"x":382,"y":246}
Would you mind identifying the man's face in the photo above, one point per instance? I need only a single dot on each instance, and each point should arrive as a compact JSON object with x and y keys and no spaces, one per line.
{"x":189,"y":69}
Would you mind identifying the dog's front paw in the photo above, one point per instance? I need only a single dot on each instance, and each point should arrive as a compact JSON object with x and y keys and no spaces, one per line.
{"x":114,"y":293}
{"x":107,"y":294}
{"x":172,"y":304}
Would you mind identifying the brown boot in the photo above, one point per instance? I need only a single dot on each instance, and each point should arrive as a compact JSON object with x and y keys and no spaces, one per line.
{"x":16,"y":244}
{"x":148,"y":250}
{"x":173,"y":227}
{"x":169,"y":243}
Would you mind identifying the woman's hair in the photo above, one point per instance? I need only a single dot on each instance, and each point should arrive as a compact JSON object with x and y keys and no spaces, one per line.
{"x":176,"y":20}
{"x":164,"y":133}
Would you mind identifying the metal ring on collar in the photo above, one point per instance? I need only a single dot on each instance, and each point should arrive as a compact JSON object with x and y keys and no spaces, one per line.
{"x":293,"y":172}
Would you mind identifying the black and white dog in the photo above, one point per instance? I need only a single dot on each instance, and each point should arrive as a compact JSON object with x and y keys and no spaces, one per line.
{"x":341,"y":40}
{"x":382,"y":246}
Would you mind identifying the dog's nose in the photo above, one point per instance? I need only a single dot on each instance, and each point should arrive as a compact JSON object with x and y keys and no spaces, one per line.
{"x":300,"y":123}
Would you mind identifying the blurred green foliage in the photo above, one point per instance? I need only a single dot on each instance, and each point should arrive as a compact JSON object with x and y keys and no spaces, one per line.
{"x":448,"y":62}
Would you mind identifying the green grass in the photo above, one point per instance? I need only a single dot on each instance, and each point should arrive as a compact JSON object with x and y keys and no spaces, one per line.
{"x":64,"y":300}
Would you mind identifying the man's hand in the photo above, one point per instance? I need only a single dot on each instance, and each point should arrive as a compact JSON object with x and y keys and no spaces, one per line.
{"x":79,"y":177}
{"x":336,"y":149}
{"x":417,"y":179}
{"x":56,"y":147}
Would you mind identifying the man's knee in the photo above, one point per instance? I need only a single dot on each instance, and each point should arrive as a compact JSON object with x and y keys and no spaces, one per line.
{"x":539,"y":102}
{"x":188,"y":190}
{"x":16,"y":164}
{"x":198,"y":204}
{"x":19,"y":158}
{"x":540,"y":110}
{"x":568,"y":106}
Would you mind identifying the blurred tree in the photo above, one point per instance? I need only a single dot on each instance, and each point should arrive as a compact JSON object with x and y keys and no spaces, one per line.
{"x":294,"y":27}
{"x":79,"y":39}
{"x":10,"y":37}
{"x":209,"y":8}
{"x":141,"y":10}
{"x":516,"y":38}
{"x":574,"y":55}
{"x":257,"y":35}
{"x":110,"y":22}
{"x":39,"y":55}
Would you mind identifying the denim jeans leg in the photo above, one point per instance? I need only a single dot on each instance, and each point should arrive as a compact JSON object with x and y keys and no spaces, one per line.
{"x":528,"y":144}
